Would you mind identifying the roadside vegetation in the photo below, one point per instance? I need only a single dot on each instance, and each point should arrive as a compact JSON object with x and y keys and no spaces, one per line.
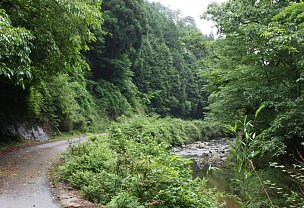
{"x":133,"y":167}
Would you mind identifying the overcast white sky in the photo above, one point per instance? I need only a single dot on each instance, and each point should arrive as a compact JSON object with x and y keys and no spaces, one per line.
{"x":192,"y":8}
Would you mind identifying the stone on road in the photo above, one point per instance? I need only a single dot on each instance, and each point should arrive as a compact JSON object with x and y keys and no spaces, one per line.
{"x":24,"y":175}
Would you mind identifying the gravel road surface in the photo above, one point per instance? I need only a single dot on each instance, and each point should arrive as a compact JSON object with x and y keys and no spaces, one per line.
{"x":24,"y":175}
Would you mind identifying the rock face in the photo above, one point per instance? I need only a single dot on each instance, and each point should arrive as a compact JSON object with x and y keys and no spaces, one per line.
{"x":212,"y":153}
{"x":23,"y":130}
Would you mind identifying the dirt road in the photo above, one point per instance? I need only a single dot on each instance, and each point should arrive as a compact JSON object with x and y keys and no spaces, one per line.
{"x":24,"y":175}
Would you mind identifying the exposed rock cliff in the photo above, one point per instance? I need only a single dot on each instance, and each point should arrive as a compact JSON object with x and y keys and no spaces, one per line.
{"x":23,"y":130}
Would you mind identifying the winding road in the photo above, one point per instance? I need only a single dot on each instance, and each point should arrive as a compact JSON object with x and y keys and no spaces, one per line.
{"x":24,"y":175}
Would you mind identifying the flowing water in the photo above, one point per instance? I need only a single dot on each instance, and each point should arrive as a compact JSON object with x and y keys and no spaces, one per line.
{"x":210,"y":154}
{"x":217,"y":178}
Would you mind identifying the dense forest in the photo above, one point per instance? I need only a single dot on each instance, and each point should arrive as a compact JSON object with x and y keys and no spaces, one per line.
{"x":70,"y":65}
{"x":139,"y":68}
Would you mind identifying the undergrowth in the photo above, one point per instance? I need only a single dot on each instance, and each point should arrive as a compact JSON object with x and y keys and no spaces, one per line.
{"x":172,"y":131}
{"x":132,"y":167}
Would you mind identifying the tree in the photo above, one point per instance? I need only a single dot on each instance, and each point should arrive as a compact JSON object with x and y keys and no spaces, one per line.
{"x":51,"y":33}
{"x":166,"y":71}
{"x":40,"y":42}
{"x":258,"y":60}
{"x":15,"y":50}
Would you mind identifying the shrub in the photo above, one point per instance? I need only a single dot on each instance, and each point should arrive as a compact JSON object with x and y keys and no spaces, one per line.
{"x":133,"y":167}
{"x":172,"y":131}
{"x":110,"y":99}
{"x":64,"y":103}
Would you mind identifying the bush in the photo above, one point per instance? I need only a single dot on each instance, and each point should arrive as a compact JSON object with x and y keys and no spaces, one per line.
{"x":133,"y":167}
{"x":210,"y":129}
{"x":110,"y":99}
{"x":172,"y":131}
{"x":64,"y":103}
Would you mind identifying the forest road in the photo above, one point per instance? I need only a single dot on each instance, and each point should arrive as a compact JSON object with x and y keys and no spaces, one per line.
{"x":24,"y":175}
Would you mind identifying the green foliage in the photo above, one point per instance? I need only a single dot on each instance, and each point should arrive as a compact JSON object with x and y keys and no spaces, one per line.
{"x":110,"y":100}
{"x":146,"y":52}
{"x":171,"y":131}
{"x":242,"y":152}
{"x":283,"y":190}
{"x":15,"y":50}
{"x":134,"y":170}
{"x":47,"y":36}
{"x":112,"y":55}
{"x":259,"y":59}
{"x":292,"y":195}
{"x":210,"y":129}
{"x":266,"y":187}
{"x":40,"y":43}
{"x":167,"y":64}
{"x":64,"y":103}
{"x":35,"y":102}
{"x":275,"y":182}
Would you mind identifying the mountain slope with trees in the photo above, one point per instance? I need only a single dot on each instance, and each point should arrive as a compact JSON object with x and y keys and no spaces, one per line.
{"x":65,"y":66}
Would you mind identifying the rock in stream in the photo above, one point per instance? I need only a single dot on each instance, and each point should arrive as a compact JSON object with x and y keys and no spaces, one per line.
{"x":206,"y":153}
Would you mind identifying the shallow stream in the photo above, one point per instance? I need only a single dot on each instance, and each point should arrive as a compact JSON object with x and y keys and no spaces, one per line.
{"x":210,"y":154}
{"x":217,"y":178}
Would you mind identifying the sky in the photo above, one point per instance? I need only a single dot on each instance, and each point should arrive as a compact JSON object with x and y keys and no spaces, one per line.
{"x":194,"y":8}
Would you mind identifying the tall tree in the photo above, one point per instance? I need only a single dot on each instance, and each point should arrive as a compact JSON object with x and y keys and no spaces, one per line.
{"x":54,"y":33}
{"x":147,"y":52}
{"x":167,"y":71}
{"x":258,"y":60}
{"x":40,"y":41}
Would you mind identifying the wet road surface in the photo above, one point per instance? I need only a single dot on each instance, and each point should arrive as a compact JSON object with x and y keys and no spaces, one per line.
{"x":24,"y":175}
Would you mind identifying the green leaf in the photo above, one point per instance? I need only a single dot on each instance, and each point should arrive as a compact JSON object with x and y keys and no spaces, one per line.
{"x":259,"y":109}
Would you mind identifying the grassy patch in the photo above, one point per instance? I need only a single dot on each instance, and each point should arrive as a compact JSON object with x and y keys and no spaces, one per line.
{"x":279,"y":186}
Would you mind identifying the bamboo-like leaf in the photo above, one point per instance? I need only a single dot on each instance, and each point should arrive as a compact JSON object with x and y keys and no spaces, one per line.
{"x":259,"y":109}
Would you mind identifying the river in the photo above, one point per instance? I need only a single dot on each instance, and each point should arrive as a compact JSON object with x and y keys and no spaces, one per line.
{"x":209,"y":163}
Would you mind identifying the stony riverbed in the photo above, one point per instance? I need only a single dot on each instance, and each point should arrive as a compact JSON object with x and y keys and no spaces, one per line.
{"x":210,"y":154}
{"x":206,"y":153}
